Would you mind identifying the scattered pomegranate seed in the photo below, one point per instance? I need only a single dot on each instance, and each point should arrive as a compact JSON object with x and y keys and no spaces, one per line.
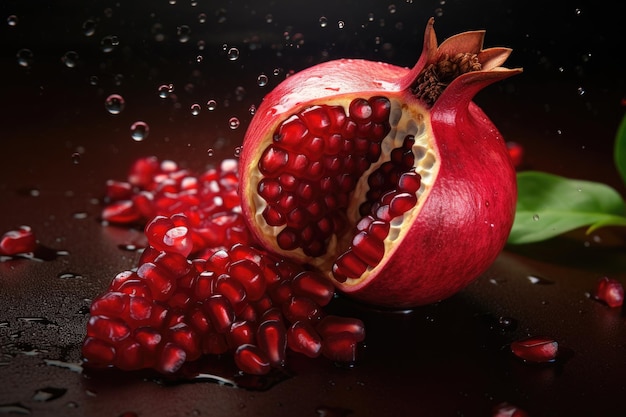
{"x":610,"y":291}
{"x":507,"y":410}
{"x":201,"y":288}
{"x":516,"y":152}
{"x":18,"y":241}
{"x":536,"y":349}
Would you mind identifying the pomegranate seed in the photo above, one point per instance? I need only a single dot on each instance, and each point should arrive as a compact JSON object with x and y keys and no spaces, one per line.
{"x":220,"y":312}
{"x":105,"y":328}
{"x":250,"y":276}
{"x":233,"y":290}
{"x":273,"y":160}
{"x":610,"y":291}
{"x":172,"y":358}
{"x":97,"y":352}
{"x":340,"y":347}
{"x":121,"y":212}
{"x":252,"y":360}
{"x":159,"y":280}
{"x":360,"y":110}
{"x":368,"y":248}
{"x":381,"y":107}
{"x":272,"y":339}
{"x":291,"y":132}
{"x":241,"y":333}
{"x":299,"y":308}
{"x":316,"y":118}
{"x":314,"y":286}
{"x":129,"y":356}
{"x":516,"y":152}
{"x":535,"y":349}
{"x":148,"y":338}
{"x":331,"y":325}
{"x":18,"y":241}
{"x":302,"y":338}
{"x":186,"y":339}
{"x":109,"y":304}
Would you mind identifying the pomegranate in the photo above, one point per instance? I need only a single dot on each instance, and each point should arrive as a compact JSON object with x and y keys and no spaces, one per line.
{"x":391,"y":181}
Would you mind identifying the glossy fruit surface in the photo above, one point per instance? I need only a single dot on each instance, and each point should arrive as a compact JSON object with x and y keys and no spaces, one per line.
{"x":389,"y":180}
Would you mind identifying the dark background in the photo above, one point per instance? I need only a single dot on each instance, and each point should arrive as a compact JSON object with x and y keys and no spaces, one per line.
{"x":58,"y":146}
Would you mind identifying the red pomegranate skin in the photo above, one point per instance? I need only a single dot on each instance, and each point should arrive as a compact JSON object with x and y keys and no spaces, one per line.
{"x":466,"y":215}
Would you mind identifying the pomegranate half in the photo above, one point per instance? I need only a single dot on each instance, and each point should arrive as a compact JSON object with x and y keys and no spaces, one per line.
{"x":389,"y":180}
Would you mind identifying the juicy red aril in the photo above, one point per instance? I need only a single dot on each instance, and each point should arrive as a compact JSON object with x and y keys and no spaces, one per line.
{"x":535,"y":349}
{"x":272,"y":339}
{"x":123,"y":211}
{"x":250,"y":276}
{"x":610,"y":291}
{"x":252,"y":360}
{"x":220,"y":312}
{"x":241,"y":333}
{"x":299,"y":308}
{"x":331,"y":325}
{"x":172,"y":358}
{"x":159,"y":280}
{"x":340,"y":347}
{"x":302,"y":338}
{"x":18,"y":241}
{"x":103,"y":327}
{"x":97,"y":352}
{"x":314,"y":286}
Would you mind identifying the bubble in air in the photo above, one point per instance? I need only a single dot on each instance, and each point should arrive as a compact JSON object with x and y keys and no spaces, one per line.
{"x":109,"y":43}
{"x":184,"y":33}
{"x":199,"y":59}
{"x":12,"y":20}
{"x":202,"y":18}
{"x":238,"y":150}
{"x":195,"y":109}
{"x":252,"y":109}
{"x":341,"y":24}
{"x":139,"y":131}
{"x":580,"y":91}
{"x":233,"y":123}
{"x":233,"y":54}
{"x":114,"y":103}
{"x":210,"y":152}
{"x":370,"y":17}
{"x":89,"y":27}
{"x":25,"y":57}
{"x":392,"y":8}
{"x":211,"y":105}
{"x":262,"y":80}
{"x":70,"y":59}
{"x":165,"y":90}
{"x":323,"y":21}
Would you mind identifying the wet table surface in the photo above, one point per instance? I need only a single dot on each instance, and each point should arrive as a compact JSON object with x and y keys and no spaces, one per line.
{"x":60,"y":145}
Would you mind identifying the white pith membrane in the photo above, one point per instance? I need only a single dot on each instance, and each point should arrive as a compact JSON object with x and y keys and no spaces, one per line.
{"x":404,"y":120}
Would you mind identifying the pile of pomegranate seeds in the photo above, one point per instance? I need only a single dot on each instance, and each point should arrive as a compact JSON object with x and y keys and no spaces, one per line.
{"x":202,"y":288}
{"x":610,"y":291}
{"x":15,"y":242}
{"x":536,"y":349}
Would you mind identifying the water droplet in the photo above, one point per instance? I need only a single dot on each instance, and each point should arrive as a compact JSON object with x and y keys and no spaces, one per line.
{"x":269,"y":18}
{"x":580,"y":91}
{"x":438,"y":12}
{"x":211,"y":105}
{"x":139,"y":131}
{"x":89,"y":27}
{"x":578,"y":12}
{"x":262,"y":80}
{"x":68,"y":275}
{"x":184,"y":33}
{"x":76,"y":158}
{"x":199,"y":59}
{"x":323,"y":21}
{"x":94,"y":80}
{"x":277,"y":71}
{"x":535,"y":217}
{"x":118,"y":79}
{"x":114,"y":104}
{"x":70,"y":59}
{"x":392,"y":8}
{"x":252,"y":109}
{"x":195,"y":109}
{"x":15,"y":408}
{"x":238,"y":150}
{"x":48,"y":394}
{"x":210,"y":152}
{"x":25,"y":57}
{"x":233,"y":54}
{"x":202,"y":18}
{"x":233,"y":123}
{"x":535,"y":280}
{"x":12,"y":20}
{"x":370,"y":17}
{"x":109,"y":43}
{"x":341,"y":24}
{"x":165,"y":90}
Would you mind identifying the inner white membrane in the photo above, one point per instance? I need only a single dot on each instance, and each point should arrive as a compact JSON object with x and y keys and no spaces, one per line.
{"x":404,"y":121}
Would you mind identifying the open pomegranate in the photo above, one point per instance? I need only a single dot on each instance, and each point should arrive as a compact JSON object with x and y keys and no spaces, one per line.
{"x":391,"y":181}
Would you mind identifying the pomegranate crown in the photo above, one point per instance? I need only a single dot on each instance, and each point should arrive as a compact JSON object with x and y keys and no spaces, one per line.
{"x":459,"y":59}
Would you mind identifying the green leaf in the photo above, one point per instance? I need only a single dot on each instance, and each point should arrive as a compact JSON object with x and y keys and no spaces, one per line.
{"x":549,"y":205}
{"x":620,"y":149}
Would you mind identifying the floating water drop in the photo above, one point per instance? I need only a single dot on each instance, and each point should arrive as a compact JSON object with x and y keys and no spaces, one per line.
{"x":202,"y":18}
{"x":370,"y":17}
{"x":535,"y":280}
{"x":252,"y":109}
{"x":165,"y":90}
{"x":195,"y":109}
{"x":438,"y":12}
{"x":139,"y":131}
{"x":76,"y":158}
{"x":580,"y":91}
{"x":341,"y":24}
{"x":94,"y":80}
{"x":238,"y":150}
{"x":199,"y":59}
{"x":269,"y":18}
{"x":323,"y":21}
{"x":109,"y":43}
{"x":210,"y":152}
{"x":392,"y":8}
{"x":201,"y":45}
{"x":262,"y":80}
{"x":89,"y":27}
{"x":233,"y":123}
{"x":233,"y":54}
{"x":25,"y":57}
{"x":211,"y":105}
{"x":12,"y":20}
{"x":118,"y":79}
{"x":114,"y":104}
{"x":184,"y":33}
{"x":535,"y":217}
{"x":70,"y":59}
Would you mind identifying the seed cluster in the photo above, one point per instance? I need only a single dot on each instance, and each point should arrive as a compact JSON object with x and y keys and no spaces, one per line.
{"x":312,"y":166}
{"x":198,"y":290}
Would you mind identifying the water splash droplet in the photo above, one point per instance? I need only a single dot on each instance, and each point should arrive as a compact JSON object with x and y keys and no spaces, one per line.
{"x":25,"y":57}
{"x":341,"y":24}
{"x":323,"y":21}
{"x":114,"y":103}
{"x":94,"y":80}
{"x":195,"y":109}
{"x":70,"y":59}
{"x":238,"y":150}
{"x":69,"y":275}
{"x":89,"y":27}
{"x":14,"y":408}
{"x":392,"y":8}
{"x":12,"y":20}
{"x":211,"y":105}
{"x":202,"y":18}
{"x":233,"y":123}
{"x":48,"y":394}
{"x":109,"y":43}
{"x":262,"y":80}
{"x":269,"y":18}
{"x":535,"y":280}
{"x":139,"y":131}
{"x":184,"y":33}
{"x":76,"y":158}
{"x":165,"y":90}
{"x":535,"y":217}
{"x":580,"y":91}
{"x":233,"y":54}
{"x":210,"y":152}
{"x":252,"y":109}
